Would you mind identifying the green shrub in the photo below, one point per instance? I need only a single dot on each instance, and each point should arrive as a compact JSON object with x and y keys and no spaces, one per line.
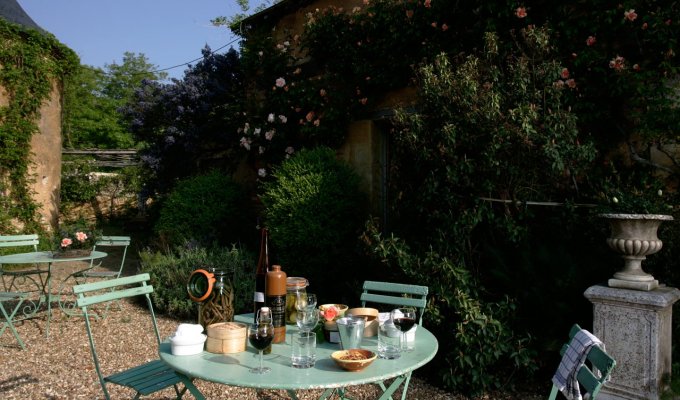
{"x":315,"y":211}
{"x":76,"y":183}
{"x":207,"y":208}
{"x":170,"y":274}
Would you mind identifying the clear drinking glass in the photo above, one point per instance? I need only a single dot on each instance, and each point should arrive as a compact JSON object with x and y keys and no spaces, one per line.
{"x":303,"y":349}
{"x":404,"y":319}
{"x":260,"y":336}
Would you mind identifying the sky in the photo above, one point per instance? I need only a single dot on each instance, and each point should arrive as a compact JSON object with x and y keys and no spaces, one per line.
{"x":167,"y":32}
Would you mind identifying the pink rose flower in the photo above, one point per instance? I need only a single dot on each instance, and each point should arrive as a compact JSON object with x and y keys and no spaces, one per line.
{"x":521,"y":12}
{"x":65,"y":242}
{"x":280,"y":82}
{"x":81,"y":236}
{"x":445,"y":27}
{"x":571,"y":83}
{"x":630,"y":15}
{"x":590,"y":41}
{"x":565,"y":73}
{"x":618,"y":63}
{"x":329,"y":313}
{"x":427,"y":3}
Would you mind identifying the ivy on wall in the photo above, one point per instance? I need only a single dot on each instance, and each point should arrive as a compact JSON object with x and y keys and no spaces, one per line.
{"x":29,"y":62}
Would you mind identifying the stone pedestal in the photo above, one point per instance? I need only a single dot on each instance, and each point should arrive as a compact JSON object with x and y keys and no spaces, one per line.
{"x":635,"y":327}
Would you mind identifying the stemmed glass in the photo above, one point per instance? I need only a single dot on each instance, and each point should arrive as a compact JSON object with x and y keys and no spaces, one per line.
{"x":404,"y":319}
{"x":260,"y":336}
{"x":307,"y":319}
{"x":305,"y":301}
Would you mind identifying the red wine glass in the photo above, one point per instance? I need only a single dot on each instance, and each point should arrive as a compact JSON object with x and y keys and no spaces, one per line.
{"x":403,"y":318}
{"x":260,"y":336}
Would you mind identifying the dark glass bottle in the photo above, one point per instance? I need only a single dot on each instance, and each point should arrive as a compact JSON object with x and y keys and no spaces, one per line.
{"x":261,"y":273}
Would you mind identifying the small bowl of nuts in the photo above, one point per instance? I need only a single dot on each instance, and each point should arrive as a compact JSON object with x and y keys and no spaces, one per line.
{"x":353,"y":359}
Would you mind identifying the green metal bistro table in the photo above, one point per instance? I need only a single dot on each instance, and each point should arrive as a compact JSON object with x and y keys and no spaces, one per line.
{"x":45,"y":257}
{"x":233,"y":369}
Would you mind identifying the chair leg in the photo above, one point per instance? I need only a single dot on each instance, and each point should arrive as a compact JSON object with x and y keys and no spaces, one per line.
{"x":8,"y":320}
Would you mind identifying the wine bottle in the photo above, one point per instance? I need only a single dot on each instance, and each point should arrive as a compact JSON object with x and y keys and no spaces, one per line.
{"x":275,"y":289}
{"x":261,"y":273}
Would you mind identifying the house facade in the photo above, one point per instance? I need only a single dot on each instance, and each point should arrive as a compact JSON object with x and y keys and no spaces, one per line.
{"x":367,"y":144}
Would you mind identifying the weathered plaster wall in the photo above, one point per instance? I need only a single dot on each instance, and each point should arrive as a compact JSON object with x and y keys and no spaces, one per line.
{"x":46,"y":157}
{"x":46,"y":160}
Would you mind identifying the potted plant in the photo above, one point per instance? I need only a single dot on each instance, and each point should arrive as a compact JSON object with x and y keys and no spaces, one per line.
{"x":634,"y":217}
{"x":74,"y":241}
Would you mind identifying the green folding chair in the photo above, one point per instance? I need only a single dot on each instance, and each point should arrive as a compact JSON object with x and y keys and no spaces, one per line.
{"x":394,"y":295}
{"x":108,"y":242}
{"x":144,"y":379}
{"x":94,"y":272}
{"x":590,"y":381}
{"x":17,"y":277}
{"x":16,"y":299}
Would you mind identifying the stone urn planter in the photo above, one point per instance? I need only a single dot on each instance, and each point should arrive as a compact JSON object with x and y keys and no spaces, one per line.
{"x":634,"y":236}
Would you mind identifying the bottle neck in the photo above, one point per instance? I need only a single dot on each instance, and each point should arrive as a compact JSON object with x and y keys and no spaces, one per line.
{"x":263,"y":261}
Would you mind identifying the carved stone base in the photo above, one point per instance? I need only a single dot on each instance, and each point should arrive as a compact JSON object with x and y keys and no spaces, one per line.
{"x":635,"y":327}
{"x":625,"y":284}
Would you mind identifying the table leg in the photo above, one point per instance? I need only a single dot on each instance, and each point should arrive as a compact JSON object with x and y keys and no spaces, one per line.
{"x":191,"y":387}
{"x":387,"y":392}
{"x":48,"y":297}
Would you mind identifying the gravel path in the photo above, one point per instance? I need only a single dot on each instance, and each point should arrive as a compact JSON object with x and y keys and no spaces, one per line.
{"x":61,"y":367}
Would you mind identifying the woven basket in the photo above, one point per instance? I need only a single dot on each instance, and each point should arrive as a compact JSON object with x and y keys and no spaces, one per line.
{"x":226,"y":337}
{"x":72,"y":253}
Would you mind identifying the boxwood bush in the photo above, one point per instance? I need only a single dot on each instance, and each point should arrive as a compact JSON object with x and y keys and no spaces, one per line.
{"x":205,"y":209}
{"x":315,"y":211}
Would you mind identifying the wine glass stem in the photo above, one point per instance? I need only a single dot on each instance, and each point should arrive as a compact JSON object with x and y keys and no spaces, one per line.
{"x":261,"y":351}
{"x":404,"y":345}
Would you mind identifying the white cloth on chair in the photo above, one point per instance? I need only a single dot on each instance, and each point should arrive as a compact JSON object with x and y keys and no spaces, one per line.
{"x":565,"y":378}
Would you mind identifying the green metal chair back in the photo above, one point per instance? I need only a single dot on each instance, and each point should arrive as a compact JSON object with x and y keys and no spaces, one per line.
{"x":109,"y":241}
{"x":396,"y":295}
{"x":147,"y":378}
{"x":19,"y":241}
{"x":587,"y":377}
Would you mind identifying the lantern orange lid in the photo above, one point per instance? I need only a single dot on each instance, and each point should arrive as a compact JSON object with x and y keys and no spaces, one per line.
{"x":200,"y":285}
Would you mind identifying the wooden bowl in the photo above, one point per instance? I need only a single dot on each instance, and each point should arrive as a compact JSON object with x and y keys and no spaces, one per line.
{"x":353,"y":359}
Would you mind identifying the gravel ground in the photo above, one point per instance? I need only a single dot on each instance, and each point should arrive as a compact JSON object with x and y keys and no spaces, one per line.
{"x":61,"y":367}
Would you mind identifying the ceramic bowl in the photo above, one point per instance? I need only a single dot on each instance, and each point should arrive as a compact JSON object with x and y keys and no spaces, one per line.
{"x":370,"y":315}
{"x":187,"y":345}
{"x":353,"y":359}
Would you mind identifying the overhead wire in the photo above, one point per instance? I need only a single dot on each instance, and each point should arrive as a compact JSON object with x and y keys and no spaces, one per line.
{"x":185,"y":63}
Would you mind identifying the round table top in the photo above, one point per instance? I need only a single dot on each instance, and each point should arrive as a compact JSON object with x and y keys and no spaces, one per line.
{"x":234,"y":369}
{"x":45,"y":257}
